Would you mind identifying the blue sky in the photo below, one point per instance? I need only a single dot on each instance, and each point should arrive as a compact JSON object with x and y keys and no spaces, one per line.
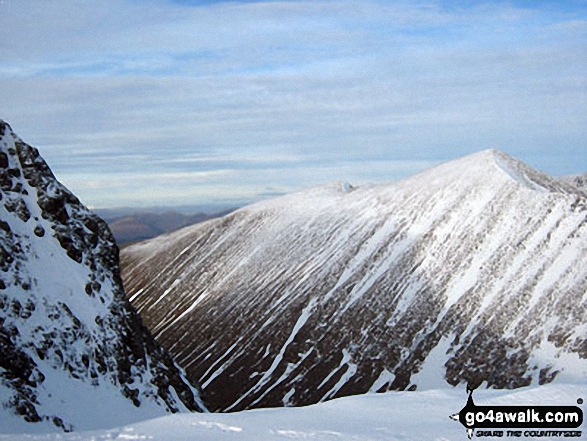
{"x":138,"y":103}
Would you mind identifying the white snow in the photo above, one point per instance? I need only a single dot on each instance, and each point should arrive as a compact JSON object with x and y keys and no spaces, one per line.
{"x":167,"y":291}
{"x":138,"y":293}
{"x":267,"y":375}
{"x":385,"y":377}
{"x":351,"y":370}
{"x":433,"y":370}
{"x":349,"y":373}
{"x":570,"y":366}
{"x":516,"y":173}
{"x":393,"y":416}
{"x":109,"y":408}
{"x":221,"y":368}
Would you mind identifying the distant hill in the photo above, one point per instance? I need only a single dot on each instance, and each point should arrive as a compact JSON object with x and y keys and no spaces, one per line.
{"x":138,"y":226}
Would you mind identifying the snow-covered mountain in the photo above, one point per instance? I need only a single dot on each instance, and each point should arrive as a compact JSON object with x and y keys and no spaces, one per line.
{"x":473,"y":271}
{"x":73,"y":352}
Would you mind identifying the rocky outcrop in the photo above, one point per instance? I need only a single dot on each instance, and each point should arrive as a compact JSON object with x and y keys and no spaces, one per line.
{"x":65,"y":321}
{"x":579,"y":181}
{"x":472,"y":272}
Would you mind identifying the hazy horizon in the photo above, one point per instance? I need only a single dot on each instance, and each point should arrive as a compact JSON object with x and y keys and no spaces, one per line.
{"x":151,"y":103}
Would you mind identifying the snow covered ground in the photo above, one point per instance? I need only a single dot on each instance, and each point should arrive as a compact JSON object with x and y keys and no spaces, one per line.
{"x":391,"y":416}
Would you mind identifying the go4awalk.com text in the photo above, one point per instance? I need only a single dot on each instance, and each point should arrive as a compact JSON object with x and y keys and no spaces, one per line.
{"x":529,"y":421}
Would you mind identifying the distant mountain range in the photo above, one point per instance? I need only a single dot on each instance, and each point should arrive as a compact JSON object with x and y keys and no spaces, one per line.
{"x":135,"y":226}
{"x":474,"y":271}
{"x":74,"y":354}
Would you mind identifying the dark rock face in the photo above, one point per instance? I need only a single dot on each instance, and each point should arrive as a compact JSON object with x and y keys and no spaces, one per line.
{"x":62,"y":305}
{"x":472,"y":272}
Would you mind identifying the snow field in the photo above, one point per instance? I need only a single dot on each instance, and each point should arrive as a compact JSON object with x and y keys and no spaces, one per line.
{"x":393,"y":416}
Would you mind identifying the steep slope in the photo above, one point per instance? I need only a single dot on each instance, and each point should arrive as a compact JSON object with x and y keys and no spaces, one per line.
{"x":73,"y":352}
{"x":475,"y":270}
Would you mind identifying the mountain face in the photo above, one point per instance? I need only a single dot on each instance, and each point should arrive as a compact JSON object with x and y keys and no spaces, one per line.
{"x":473,"y":271}
{"x":73,"y":352}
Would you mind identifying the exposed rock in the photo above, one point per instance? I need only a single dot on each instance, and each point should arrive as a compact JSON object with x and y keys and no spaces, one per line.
{"x":65,"y":321}
{"x":472,"y":272}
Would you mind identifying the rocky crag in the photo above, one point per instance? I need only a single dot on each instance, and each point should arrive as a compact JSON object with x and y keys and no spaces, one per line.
{"x":73,"y":352}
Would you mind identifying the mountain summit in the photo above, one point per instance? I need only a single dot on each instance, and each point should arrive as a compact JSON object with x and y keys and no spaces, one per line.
{"x":474,"y":271}
{"x":73,"y":352}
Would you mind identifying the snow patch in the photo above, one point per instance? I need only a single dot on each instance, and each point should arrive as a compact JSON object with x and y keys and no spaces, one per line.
{"x":385,"y":378}
{"x":351,"y":370}
{"x":433,"y":370}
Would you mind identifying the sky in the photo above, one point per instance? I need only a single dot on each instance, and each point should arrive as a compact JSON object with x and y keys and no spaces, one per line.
{"x":159,"y":102}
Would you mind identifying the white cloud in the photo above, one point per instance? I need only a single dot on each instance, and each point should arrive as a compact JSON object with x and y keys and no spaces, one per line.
{"x":288,"y":93}
{"x":228,"y":185}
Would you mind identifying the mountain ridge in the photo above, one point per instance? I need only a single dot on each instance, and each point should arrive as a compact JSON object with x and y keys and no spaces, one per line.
{"x":329,"y":292}
{"x":491,"y":161}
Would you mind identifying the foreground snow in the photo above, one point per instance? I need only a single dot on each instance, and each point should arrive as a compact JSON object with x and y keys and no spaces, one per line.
{"x":391,"y":416}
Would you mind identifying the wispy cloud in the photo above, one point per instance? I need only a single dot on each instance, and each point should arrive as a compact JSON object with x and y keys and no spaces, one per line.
{"x":288,"y":94}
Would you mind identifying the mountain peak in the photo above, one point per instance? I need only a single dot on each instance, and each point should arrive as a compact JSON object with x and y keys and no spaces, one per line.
{"x":491,"y":167}
{"x":527,"y":176}
{"x":4,"y":128}
{"x":467,"y":272}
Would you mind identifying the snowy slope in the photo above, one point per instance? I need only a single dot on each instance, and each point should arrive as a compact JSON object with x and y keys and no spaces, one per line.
{"x":394,"y":416}
{"x":579,"y":181}
{"x":73,"y":352}
{"x":475,"y":270}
